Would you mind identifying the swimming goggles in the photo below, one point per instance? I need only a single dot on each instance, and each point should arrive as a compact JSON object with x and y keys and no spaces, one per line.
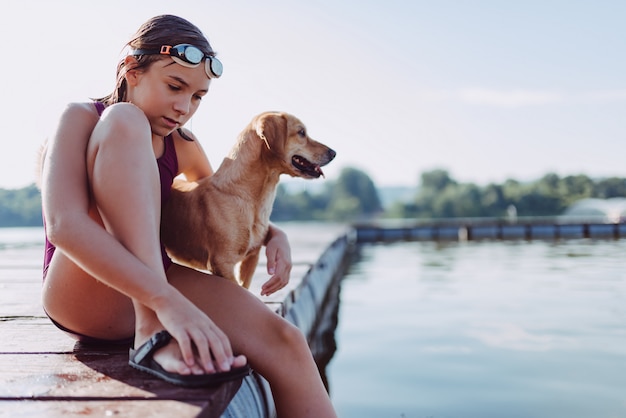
{"x":187,"y":56}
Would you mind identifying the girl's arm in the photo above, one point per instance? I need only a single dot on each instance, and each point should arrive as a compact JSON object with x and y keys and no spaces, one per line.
{"x":193,"y":162}
{"x":279,"y":264}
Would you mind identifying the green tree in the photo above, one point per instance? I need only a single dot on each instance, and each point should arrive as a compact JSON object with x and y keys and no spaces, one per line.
{"x":493,"y":201}
{"x":20,"y":207}
{"x":437,"y":180}
{"x":285,"y":208}
{"x":610,"y":187}
{"x":354,"y":196}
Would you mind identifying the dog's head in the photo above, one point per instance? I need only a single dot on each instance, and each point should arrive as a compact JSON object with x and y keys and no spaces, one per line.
{"x":288,"y":144}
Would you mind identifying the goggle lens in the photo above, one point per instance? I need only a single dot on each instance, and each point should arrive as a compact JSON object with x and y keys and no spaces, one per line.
{"x":189,"y":53}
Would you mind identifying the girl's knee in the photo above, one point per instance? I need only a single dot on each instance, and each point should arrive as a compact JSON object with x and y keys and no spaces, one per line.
{"x":290,"y":336}
{"x":122,"y":133}
{"x":123,"y":122}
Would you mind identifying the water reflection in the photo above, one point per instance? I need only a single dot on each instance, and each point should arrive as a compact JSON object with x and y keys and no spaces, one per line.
{"x":482,"y":329}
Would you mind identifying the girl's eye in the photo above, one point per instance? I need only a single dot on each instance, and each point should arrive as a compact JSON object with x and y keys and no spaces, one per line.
{"x":197,"y":97}
{"x":173,"y":87}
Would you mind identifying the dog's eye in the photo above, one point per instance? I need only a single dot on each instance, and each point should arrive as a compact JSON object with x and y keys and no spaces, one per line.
{"x":302,"y":133}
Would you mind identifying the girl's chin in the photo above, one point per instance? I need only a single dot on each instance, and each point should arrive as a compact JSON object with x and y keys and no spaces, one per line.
{"x":163,"y":132}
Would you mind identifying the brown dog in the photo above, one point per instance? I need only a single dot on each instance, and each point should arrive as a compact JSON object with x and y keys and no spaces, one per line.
{"x":224,"y":220}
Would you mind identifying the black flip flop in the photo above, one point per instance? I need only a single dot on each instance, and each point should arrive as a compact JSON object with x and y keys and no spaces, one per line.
{"x":141,"y":359}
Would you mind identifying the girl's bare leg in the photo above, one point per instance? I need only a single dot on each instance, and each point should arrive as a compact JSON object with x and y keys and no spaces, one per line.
{"x":274,"y":347}
{"x":125,"y":181}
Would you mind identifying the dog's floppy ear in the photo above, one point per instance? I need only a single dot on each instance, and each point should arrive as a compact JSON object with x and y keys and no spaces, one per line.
{"x":270,"y":125}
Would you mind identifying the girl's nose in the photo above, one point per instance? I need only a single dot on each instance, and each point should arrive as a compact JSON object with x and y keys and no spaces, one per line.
{"x":182,"y":106}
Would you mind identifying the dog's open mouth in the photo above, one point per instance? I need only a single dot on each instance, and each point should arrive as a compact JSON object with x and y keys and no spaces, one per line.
{"x":306,"y":167}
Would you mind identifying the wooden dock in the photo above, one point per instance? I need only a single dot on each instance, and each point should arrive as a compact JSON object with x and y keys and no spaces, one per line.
{"x":475,"y":229}
{"x":44,"y":373}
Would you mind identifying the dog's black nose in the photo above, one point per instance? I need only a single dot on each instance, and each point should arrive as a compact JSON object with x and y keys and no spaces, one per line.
{"x":331,"y":154}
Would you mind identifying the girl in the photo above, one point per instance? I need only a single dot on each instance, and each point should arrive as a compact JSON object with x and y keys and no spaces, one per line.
{"x":107,"y":170}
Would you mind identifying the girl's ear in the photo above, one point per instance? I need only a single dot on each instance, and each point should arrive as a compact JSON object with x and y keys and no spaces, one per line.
{"x":130,"y":63}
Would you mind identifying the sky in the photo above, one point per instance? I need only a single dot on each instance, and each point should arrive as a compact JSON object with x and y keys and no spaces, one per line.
{"x":487,"y":90}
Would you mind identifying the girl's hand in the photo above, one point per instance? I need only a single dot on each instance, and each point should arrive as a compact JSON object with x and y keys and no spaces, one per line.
{"x":196,"y":334}
{"x":279,"y":265}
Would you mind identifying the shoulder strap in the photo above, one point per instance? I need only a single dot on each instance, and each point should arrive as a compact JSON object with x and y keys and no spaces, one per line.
{"x":99,"y":107}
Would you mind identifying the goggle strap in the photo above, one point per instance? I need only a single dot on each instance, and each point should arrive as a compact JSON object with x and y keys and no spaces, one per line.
{"x":165,"y":49}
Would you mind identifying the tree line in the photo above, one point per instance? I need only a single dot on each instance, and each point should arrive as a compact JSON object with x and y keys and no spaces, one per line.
{"x":441,"y":196}
{"x":355,"y":197}
{"x":20,"y":207}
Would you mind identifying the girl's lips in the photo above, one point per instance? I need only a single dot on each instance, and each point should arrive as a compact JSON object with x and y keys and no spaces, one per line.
{"x":171,"y":123}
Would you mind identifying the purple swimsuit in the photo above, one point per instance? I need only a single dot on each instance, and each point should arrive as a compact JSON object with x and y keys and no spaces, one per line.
{"x":168,"y":169}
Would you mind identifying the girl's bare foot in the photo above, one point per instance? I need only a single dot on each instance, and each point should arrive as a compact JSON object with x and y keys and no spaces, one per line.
{"x":170,"y":358}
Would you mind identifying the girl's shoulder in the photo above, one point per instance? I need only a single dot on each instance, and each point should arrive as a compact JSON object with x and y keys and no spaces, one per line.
{"x":192,"y":160}
{"x":73,"y":116}
{"x":80,"y":110}
{"x":97,"y":108}
{"x":91,"y":107}
{"x":190,"y":137}
{"x":187,"y":145}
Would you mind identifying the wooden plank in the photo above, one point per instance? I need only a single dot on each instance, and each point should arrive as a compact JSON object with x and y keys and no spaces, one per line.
{"x":32,"y":335}
{"x":104,"y":408}
{"x":20,"y":285}
{"x":16,"y":274}
{"x":90,"y":375}
{"x":47,"y":373}
{"x":20,"y":299}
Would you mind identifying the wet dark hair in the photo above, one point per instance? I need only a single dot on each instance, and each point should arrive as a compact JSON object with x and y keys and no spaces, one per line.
{"x":157,"y":31}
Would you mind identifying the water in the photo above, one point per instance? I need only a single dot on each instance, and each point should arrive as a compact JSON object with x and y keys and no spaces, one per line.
{"x":477,"y":329}
{"x":483,"y":329}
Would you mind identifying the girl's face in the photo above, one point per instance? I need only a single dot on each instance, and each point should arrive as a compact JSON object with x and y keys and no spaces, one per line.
{"x":168,"y":93}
